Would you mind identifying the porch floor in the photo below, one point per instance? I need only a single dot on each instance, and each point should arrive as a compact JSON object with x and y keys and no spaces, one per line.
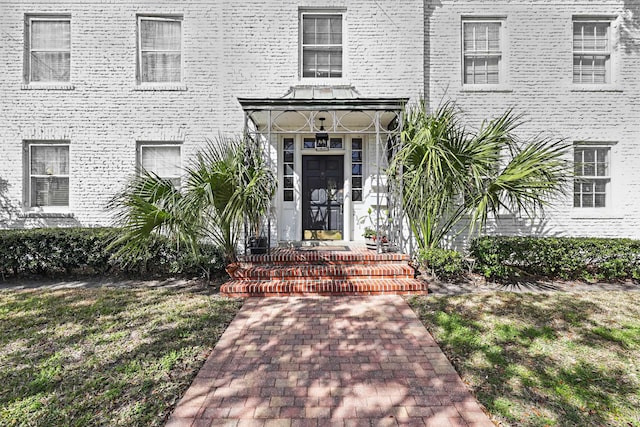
{"x":344,"y":269}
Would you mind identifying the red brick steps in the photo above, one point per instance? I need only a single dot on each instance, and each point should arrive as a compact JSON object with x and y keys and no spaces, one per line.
{"x":322,"y":271}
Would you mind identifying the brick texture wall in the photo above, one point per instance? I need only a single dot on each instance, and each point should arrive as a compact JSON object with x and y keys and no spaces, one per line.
{"x":230,"y":50}
{"x":538,"y":55}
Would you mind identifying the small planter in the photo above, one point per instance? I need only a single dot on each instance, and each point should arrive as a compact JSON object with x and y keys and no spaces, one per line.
{"x":372,"y":243}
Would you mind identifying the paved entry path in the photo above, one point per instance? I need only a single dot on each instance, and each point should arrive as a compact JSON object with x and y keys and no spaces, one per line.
{"x":327,"y":361}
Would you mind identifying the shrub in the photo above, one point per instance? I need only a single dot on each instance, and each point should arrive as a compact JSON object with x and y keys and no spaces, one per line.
{"x":86,"y":251}
{"x":442,"y":263}
{"x":505,"y":257}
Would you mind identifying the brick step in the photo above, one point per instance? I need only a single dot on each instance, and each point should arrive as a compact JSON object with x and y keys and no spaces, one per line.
{"x":265,"y":288}
{"x":297,"y":256}
{"x":322,"y":271}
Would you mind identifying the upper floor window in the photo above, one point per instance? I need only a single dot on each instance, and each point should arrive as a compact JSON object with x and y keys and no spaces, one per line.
{"x":322,"y":44}
{"x":48,"y":174}
{"x":592,"y":51}
{"x":163,"y":160}
{"x":48,"y":49}
{"x":159,"y":49}
{"x":591,"y":176}
{"x":482,"y":51}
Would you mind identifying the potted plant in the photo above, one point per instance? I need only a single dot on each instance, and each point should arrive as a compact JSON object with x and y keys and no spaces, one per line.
{"x":371,"y":237}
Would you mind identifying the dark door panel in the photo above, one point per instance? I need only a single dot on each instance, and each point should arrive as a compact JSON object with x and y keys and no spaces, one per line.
{"x":322,"y":197}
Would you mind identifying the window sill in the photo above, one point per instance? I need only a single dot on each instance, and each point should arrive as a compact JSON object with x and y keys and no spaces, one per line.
{"x":486,"y":88}
{"x":596,"y":88}
{"x":40,"y":214}
{"x":595,"y":213}
{"x":48,"y":86}
{"x":175,"y":87}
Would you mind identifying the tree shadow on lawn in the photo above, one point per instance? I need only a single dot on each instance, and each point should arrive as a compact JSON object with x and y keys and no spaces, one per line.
{"x":324,"y":359}
{"x":518,"y":369}
{"x":102,"y":356}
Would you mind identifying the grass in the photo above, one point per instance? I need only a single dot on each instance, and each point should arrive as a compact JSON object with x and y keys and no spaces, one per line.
{"x":105,"y":356}
{"x":544,"y":359}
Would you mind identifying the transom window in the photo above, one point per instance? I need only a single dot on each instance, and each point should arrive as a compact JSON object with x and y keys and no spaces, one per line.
{"x":591,"y":52}
{"x":49,"y":49}
{"x":482,"y":51}
{"x":159,"y":49}
{"x":322,"y":45}
{"x":48,"y":180}
{"x":163,"y":160}
{"x":591,"y":170}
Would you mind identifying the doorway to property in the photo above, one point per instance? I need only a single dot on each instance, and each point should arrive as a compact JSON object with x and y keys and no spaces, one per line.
{"x":322,"y":197}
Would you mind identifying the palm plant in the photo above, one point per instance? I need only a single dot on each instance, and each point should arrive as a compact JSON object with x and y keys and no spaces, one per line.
{"x":448,"y":174}
{"x":228,"y":181}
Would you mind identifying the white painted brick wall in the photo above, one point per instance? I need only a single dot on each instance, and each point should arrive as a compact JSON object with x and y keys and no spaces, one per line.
{"x":231,"y":49}
{"x":539,"y":70}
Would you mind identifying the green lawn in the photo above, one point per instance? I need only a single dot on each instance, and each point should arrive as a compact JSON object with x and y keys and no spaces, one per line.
{"x":108,"y":357}
{"x":544,"y":359}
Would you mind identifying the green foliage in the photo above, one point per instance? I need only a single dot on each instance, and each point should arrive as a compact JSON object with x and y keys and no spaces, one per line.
{"x":448,"y":173}
{"x":504,"y":257}
{"x":64,"y":251}
{"x":228,"y":181}
{"x":443,"y":263}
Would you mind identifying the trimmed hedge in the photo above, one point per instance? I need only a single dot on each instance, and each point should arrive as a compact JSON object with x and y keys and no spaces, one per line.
{"x":505,"y":257}
{"x":443,"y":263}
{"x":85,"y":251}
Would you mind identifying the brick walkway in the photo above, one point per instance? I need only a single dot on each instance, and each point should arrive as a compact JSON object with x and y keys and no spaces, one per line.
{"x":327,"y":361}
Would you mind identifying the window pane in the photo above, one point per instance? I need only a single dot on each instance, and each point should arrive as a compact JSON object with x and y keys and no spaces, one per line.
{"x":356,"y":182}
{"x":160,"y":35}
{"x":161,"y":67}
{"x":288,"y":182}
{"x":288,"y":195}
{"x":356,"y":169}
{"x":587,"y":201}
{"x":50,"y":35}
{"x":163,"y":161}
{"x":591,"y":36}
{"x":49,"y":160}
{"x":356,"y":156}
{"x":288,"y":144}
{"x":599,"y":200}
{"x":50,"y":66}
{"x":335,"y":143}
{"x":356,"y":144}
{"x":288,"y":169}
{"x":356,"y":195}
{"x":50,"y":191}
{"x":288,"y":156}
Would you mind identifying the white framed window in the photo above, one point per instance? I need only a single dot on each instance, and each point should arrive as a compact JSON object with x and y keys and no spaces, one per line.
{"x":592,"y":176}
{"x":321,"y":44}
{"x":48,"y":48}
{"x":47,"y":166}
{"x":161,"y":159}
{"x":159,"y":49}
{"x":482,"y":51}
{"x":592,"y":51}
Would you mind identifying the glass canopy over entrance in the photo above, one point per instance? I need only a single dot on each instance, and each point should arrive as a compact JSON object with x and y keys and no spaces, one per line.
{"x":330,"y":147}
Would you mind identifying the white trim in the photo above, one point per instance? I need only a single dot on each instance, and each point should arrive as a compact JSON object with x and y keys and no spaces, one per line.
{"x":302,"y":12}
{"x":611,"y":72}
{"x":28,"y":203}
{"x":503,"y":75}
{"x":53,"y":84}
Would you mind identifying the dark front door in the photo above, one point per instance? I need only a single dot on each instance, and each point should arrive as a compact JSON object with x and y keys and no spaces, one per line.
{"x":322,"y":197}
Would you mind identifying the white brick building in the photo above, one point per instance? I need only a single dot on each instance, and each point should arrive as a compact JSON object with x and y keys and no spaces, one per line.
{"x":91,"y":89}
